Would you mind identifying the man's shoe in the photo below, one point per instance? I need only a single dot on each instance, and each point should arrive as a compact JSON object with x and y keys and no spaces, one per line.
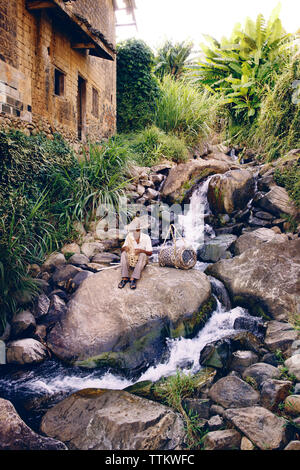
{"x":123,"y":283}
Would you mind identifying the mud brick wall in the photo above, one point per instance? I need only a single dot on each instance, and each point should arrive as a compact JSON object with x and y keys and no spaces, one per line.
{"x":32,"y":45}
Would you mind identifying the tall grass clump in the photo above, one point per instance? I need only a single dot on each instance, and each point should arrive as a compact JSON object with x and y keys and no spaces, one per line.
{"x":184,"y":110}
{"x":150,"y":146}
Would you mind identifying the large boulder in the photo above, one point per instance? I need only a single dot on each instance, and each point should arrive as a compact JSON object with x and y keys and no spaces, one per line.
{"x":16,"y":435}
{"x":264,"y":279}
{"x":182,"y":177}
{"x":257,"y":238}
{"x":230,"y":191}
{"x":95,"y":419}
{"x":261,"y":426}
{"x":126,"y":329}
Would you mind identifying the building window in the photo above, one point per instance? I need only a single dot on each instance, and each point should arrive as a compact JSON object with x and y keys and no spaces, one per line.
{"x":95,"y":103}
{"x":59,"y":82}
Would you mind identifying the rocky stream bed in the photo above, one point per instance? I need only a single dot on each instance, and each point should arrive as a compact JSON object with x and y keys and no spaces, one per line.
{"x":83,"y":361}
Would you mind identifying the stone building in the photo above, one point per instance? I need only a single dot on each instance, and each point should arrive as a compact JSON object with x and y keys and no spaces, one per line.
{"x":58,"y":67}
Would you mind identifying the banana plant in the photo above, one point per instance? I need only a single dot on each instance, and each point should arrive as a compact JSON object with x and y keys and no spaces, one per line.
{"x":240,"y":67}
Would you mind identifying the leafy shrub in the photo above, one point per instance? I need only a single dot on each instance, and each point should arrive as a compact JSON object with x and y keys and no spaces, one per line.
{"x":137,"y":87}
{"x":240,"y":67}
{"x":183,"y":110}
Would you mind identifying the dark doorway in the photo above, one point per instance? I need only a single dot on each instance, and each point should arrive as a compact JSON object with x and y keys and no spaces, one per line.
{"x":81,"y":107}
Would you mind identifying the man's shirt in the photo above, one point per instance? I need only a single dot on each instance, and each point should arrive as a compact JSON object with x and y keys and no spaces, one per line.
{"x":144,"y":244}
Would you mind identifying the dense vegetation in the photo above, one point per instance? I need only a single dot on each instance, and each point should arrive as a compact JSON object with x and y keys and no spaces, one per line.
{"x":166,"y":107}
{"x":137,"y":87}
{"x":44,"y":189}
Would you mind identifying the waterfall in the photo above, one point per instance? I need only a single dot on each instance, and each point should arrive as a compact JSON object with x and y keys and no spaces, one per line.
{"x":192,"y":224}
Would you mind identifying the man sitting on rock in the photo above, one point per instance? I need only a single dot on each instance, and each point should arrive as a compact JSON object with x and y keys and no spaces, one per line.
{"x":135,"y":251}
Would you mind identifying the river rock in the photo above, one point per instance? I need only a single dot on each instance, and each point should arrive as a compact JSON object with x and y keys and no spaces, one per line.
{"x":78,"y":260}
{"x":293,"y":445}
{"x":70,"y":248}
{"x":90,"y":249}
{"x":264,"y":279}
{"x":82,"y":276}
{"x":230,"y":191}
{"x":277,"y":201}
{"x":53,"y":261}
{"x":16,"y":435}
{"x":246,"y":444}
{"x":218,"y":353}
{"x":122,"y":328}
{"x":25,"y":351}
{"x":216,"y":248}
{"x":41,"y":306}
{"x":56,"y":311}
{"x":257,"y":238}
{"x":274,"y":392}
{"x":151,"y":194}
{"x":183,"y":176}
{"x":261,"y":372}
{"x":96,"y":419}
{"x":232,"y":392}
{"x":23,"y":324}
{"x":280,"y":336}
{"x":229,"y":439}
{"x":63,"y":275}
{"x":253,"y":324}
{"x":293,"y":365}
{"x":240,"y":360}
{"x":215,"y":423}
{"x":197,"y":406}
{"x":261,"y":426}
{"x":106,"y":258}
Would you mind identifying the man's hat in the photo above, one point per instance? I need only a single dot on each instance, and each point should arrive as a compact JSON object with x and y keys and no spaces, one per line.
{"x":138,"y":223}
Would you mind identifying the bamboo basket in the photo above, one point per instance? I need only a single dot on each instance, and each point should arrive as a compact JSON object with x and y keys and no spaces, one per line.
{"x":178,"y":257}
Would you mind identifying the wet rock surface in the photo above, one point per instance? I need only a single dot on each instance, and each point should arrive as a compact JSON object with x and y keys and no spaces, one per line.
{"x":113,"y":420}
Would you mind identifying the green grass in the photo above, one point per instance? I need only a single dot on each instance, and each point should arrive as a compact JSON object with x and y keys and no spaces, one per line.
{"x":150,"y":146}
{"x":184,"y":110}
{"x":172,"y":391}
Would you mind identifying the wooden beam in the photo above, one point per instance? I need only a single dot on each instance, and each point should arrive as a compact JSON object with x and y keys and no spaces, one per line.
{"x":83,"y":45}
{"x":38,"y":5}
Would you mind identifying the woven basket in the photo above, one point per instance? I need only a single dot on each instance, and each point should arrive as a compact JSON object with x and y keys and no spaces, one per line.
{"x":177,"y":257}
{"x":180,"y":257}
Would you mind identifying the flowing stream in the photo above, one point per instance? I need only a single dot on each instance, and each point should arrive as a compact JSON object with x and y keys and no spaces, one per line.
{"x":53,"y":377}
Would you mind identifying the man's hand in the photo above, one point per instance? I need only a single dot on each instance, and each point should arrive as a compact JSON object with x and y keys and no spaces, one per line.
{"x":125,"y":248}
{"x":138,"y":251}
